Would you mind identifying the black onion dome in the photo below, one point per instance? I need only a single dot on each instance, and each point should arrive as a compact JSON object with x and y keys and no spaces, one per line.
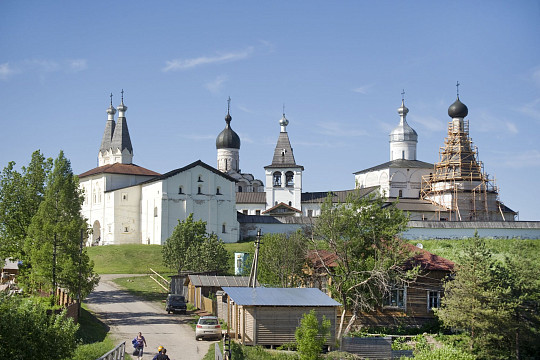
{"x":228,"y":139}
{"x":458,"y":109}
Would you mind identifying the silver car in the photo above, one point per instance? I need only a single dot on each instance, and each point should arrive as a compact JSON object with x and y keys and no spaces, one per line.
{"x":208,"y":327}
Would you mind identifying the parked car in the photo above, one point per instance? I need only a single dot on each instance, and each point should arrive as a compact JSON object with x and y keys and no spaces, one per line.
{"x":176,"y":303}
{"x":208,"y":327}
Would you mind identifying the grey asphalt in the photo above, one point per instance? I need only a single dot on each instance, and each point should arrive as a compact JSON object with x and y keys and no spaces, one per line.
{"x":126,"y":315}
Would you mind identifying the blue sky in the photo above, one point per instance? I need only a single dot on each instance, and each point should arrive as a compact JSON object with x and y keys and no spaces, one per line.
{"x":338,"y":66}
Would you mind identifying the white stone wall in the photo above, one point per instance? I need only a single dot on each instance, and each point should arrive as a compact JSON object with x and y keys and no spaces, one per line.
{"x":283,"y":193}
{"x":251,"y":208}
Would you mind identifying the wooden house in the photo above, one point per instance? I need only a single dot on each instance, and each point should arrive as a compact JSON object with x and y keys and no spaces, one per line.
{"x":406,"y":305}
{"x":200,"y":288}
{"x":270,"y":316}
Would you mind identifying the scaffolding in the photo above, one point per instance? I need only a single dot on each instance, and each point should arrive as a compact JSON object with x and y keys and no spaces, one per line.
{"x":459,"y":183}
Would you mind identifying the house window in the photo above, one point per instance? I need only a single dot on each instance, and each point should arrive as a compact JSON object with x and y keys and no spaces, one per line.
{"x":257,"y":212}
{"x":223,"y":228}
{"x":433,"y":299}
{"x":199,"y":190}
{"x":245,"y":212}
{"x":277,"y":178}
{"x":180,"y":189}
{"x":239,"y":188}
{"x":124,"y":197}
{"x":400,"y":193}
{"x":218,"y":192}
{"x":395,"y":298}
{"x":310,"y":213}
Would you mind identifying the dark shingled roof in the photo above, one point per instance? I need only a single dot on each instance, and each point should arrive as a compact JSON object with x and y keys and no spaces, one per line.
{"x":251,"y":198}
{"x":337,"y":196}
{"x":117,"y":168}
{"x":413,"y":204}
{"x":400,"y":163}
{"x":283,"y":153}
{"x":427,"y":260}
{"x":120,"y":139}
{"x":187,"y":167}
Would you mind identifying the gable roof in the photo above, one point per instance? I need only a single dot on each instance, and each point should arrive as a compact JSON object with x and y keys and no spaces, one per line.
{"x":399,"y":163}
{"x":251,"y":198}
{"x":281,"y":205}
{"x":190,"y":166}
{"x":337,"y":196}
{"x":117,"y":168}
{"x":427,"y":260}
{"x":260,"y":296}
{"x":218,"y":281}
{"x":319,"y":258}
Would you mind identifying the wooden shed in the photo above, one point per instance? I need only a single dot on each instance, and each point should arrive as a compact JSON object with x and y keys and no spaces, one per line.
{"x":270,"y":316}
{"x":200,"y":287}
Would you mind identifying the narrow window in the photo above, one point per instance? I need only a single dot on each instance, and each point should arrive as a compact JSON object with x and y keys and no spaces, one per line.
{"x":239,"y":188}
{"x":434,"y":300}
{"x":290,"y":203}
{"x":223,"y":228}
{"x":180,"y":190}
{"x":403,"y":154}
{"x":245,"y":212}
{"x":257,"y":212}
{"x":310,"y":213}
{"x":200,"y":179}
{"x":218,"y":192}
{"x":289,"y":178}
{"x":199,"y":190}
{"x":400,"y":193}
{"x":155,"y":211}
{"x":277,"y":178}
{"x":125,"y":229}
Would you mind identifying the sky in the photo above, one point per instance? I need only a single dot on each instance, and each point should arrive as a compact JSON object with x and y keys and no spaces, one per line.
{"x":337,"y":69}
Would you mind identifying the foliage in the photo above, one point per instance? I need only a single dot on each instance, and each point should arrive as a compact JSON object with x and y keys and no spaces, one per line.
{"x":311,"y":336}
{"x":28,"y":332}
{"x":53,"y":247}
{"x":281,"y":259}
{"x":443,"y":353}
{"x":496,"y":303}
{"x":20,"y":196}
{"x":362,"y":232}
{"x":191,"y":248}
{"x":239,"y":352}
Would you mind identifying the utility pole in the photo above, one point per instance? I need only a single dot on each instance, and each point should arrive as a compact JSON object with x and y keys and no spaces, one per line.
{"x":253,"y":273}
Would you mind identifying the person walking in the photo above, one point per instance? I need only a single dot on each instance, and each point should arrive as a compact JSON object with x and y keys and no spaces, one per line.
{"x":141,"y":343}
{"x":163,"y":355}
{"x":159,"y":349}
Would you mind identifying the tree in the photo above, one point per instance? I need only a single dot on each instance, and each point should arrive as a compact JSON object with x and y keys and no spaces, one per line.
{"x":363,"y":233}
{"x":28,"y":332}
{"x":53,"y":245}
{"x":311,"y":335}
{"x":190,"y":248}
{"x":496,"y":303}
{"x":20,"y":196}
{"x":282,"y":258}
{"x":472,"y":300}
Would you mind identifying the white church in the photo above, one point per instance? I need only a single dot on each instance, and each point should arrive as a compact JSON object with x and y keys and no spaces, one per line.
{"x":126,"y":203}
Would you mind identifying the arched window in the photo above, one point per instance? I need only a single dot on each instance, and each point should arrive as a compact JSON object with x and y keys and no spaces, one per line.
{"x":218,"y":192}
{"x":223,"y":228}
{"x":277,"y":178}
{"x":289,"y":178}
{"x":400,"y":193}
{"x":200,"y":179}
{"x":180,"y":189}
{"x":155,"y":211}
{"x":290,"y":203}
{"x":199,"y":190}
{"x":239,"y":188}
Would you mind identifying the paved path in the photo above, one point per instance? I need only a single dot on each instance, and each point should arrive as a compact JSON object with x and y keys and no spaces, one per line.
{"x":126,"y":315}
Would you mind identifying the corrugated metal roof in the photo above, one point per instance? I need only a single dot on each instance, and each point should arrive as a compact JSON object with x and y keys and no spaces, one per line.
{"x":337,"y":196}
{"x":218,"y":281}
{"x":261,"y":296}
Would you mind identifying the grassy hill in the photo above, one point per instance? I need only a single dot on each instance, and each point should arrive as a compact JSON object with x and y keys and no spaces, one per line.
{"x":138,"y":259}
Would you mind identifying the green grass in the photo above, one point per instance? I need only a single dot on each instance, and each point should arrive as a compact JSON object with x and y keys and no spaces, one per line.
{"x":127,"y":259}
{"x":93,"y":337}
{"x":143,"y":287}
{"x":451,"y":249}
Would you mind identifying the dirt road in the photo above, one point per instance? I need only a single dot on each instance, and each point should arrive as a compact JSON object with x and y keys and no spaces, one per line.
{"x":126,"y":315}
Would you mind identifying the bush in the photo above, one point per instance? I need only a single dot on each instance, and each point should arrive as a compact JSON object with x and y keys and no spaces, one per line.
{"x":444,"y":353}
{"x":311,"y":336}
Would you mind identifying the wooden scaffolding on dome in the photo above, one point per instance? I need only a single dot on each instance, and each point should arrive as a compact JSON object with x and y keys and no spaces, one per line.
{"x":458,"y":182}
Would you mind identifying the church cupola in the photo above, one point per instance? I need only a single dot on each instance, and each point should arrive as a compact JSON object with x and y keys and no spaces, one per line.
{"x":107,"y":134}
{"x":403,"y":138}
{"x":121,"y":141}
{"x":228,"y":146}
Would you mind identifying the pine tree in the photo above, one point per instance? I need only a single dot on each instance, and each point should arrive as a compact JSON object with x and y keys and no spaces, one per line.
{"x":53,"y":244}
